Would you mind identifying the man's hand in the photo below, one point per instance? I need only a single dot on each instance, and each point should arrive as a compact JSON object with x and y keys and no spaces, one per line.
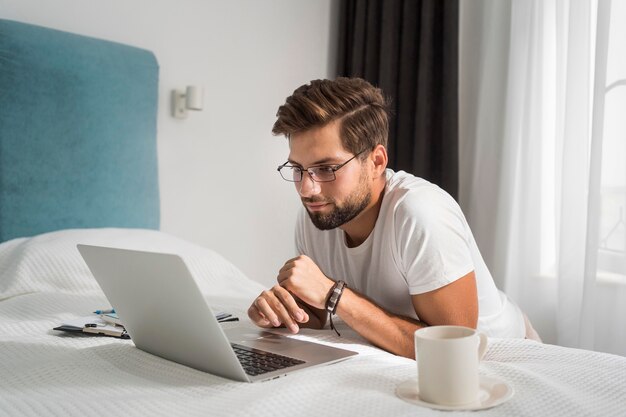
{"x":276,"y":307}
{"x":303,"y":278}
{"x":299,"y":279}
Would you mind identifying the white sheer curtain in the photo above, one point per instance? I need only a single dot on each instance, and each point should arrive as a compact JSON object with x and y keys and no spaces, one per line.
{"x":543,"y":159}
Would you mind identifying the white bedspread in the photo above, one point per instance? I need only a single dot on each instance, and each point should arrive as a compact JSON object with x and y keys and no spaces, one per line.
{"x":43,"y":281}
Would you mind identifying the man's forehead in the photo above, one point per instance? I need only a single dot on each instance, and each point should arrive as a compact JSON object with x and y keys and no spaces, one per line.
{"x":316,"y":155}
{"x":317,"y":146}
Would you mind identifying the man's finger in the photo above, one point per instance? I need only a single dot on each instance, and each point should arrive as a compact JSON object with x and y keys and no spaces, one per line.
{"x":284,"y":315}
{"x":289,"y":265}
{"x":291,"y":305}
{"x":273,"y":309}
{"x":258,"y":318}
{"x":266,"y":311}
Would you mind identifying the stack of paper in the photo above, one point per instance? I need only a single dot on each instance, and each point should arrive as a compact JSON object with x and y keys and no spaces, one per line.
{"x":93,"y":325}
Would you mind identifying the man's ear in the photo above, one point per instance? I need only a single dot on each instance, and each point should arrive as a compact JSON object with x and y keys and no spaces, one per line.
{"x":379,"y":159}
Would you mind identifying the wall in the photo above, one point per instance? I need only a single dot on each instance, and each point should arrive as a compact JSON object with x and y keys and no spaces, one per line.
{"x":217,"y":168}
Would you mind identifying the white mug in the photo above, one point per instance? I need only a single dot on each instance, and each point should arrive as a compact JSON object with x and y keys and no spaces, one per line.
{"x":447,"y":363}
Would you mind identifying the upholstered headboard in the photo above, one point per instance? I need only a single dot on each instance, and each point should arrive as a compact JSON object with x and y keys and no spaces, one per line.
{"x":77,"y":132}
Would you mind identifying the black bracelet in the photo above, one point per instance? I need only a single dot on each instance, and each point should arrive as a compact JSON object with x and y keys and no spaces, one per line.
{"x":332,"y":302}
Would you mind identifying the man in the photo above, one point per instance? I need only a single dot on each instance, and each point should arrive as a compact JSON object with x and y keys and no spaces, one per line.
{"x":400,"y":244}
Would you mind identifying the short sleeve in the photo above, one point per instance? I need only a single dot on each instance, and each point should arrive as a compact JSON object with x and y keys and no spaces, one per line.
{"x":433,"y":240}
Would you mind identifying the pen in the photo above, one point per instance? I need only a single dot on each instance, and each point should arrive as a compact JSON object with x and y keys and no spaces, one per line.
{"x":110,"y":311}
{"x":229,"y":319}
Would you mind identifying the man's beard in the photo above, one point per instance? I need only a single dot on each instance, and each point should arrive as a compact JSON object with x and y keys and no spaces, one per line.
{"x":353,"y":206}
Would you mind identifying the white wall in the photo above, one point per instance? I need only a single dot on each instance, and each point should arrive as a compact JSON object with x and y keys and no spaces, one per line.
{"x":219,"y":186}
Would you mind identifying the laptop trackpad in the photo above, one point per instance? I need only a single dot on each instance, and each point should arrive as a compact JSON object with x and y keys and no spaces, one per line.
{"x":244,"y":334}
{"x":271,"y":342}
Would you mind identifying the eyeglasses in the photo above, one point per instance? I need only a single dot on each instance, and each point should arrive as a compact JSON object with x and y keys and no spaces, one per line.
{"x":319,"y":173}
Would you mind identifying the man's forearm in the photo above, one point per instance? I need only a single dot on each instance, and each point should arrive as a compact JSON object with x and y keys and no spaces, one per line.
{"x":388,"y":331}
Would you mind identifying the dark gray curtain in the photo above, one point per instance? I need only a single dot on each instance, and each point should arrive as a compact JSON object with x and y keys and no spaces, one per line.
{"x":409,"y":48}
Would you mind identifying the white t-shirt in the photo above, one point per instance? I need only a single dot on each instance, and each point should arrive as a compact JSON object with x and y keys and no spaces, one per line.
{"x":421,"y":242}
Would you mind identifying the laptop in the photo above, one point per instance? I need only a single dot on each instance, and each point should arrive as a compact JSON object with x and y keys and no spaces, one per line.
{"x":165,"y":314}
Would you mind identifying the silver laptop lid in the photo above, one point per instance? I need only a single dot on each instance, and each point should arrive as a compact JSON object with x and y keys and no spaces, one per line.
{"x":162,"y":308}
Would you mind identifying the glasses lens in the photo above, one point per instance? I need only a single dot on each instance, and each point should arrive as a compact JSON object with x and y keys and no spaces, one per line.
{"x":289,"y":173}
{"x":323,"y":173}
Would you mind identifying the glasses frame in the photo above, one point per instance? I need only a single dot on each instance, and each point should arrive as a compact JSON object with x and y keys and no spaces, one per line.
{"x":334,"y":169}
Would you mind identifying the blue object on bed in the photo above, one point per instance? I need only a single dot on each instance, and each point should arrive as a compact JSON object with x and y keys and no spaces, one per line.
{"x":77,"y":132}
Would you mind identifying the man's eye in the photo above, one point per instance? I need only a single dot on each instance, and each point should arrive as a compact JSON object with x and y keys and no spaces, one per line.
{"x":325,"y":170}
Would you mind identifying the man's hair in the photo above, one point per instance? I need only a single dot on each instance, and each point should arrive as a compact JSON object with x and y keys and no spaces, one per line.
{"x":360,"y":107}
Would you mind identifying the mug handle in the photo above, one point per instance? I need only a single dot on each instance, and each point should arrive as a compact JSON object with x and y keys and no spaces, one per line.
{"x":482,"y":347}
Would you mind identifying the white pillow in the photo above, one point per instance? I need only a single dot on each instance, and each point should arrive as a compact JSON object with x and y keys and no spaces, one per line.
{"x":51,"y":263}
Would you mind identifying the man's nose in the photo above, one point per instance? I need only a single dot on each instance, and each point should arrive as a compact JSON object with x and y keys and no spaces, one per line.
{"x":307,"y":187}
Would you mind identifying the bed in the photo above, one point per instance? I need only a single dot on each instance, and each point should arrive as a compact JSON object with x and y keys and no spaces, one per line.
{"x":44,"y":282}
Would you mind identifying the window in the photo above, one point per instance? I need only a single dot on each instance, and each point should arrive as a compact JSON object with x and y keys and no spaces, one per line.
{"x":611,"y":261}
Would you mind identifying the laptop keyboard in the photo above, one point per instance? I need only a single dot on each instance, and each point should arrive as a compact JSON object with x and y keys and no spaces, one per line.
{"x":257,"y":362}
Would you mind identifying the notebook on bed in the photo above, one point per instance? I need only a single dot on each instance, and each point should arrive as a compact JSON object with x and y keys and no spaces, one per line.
{"x":165,"y":313}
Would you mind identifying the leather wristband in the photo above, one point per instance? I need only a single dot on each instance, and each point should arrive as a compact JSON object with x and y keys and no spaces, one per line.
{"x":332,"y":301}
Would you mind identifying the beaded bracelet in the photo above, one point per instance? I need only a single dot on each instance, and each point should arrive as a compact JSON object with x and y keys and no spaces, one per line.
{"x":333,"y":300}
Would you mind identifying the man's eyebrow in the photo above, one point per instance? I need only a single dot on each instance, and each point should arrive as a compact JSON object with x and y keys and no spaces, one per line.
{"x":324,"y":161}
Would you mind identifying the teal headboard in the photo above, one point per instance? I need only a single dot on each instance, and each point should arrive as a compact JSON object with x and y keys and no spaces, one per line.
{"x":77,"y":132}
